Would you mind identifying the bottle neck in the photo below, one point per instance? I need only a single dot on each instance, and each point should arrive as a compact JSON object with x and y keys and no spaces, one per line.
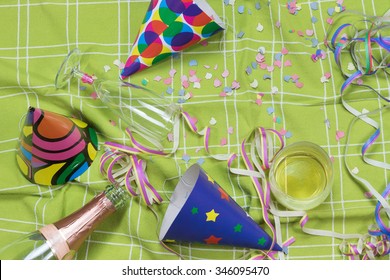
{"x":67,"y":235}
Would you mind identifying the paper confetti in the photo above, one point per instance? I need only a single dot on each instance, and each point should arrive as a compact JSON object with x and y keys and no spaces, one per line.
{"x":355,"y":170}
{"x":339,"y":134}
{"x":270,"y":110}
{"x":193,"y":62}
{"x":259,"y":27}
{"x":107,"y":68}
{"x":235,"y":85}
{"x":186,"y":158}
{"x":254,"y":84}
{"x":217,"y":83}
{"x":212,"y":121}
{"x":314,"y":6}
{"x":208,"y":76}
{"x":225,"y":73}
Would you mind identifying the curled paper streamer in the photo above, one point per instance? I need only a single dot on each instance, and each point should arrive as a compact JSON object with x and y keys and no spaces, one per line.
{"x":127,"y":170}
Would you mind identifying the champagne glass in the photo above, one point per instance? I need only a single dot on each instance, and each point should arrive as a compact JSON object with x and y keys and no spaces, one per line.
{"x":146,"y":113}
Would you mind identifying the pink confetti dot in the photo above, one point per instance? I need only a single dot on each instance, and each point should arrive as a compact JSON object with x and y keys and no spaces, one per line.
{"x":235,"y":85}
{"x":168,"y":81}
{"x":284,"y":51}
{"x":282,"y":131}
{"x":287,"y":63}
{"x":329,"y":20}
{"x":223,"y":94}
{"x":192,"y":72}
{"x":368,"y":194}
{"x":259,"y":102}
{"x":339,"y":134}
{"x":260,"y":58}
{"x":113,"y":123}
{"x":185,"y":84}
{"x":263,"y":66}
{"x":299,"y":84}
{"x":278,"y":63}
{"x":172,"y":73}
{"x":327,"y":75}
{"x":170,"y":137}
{"x":230,"y":130}
{"x":157,"y":78}
{"x":270,"y":68}
{"x":94,"y":95}
{"x":295,"y":77}
{"x":225,"y":73}
{"x":217,"y":83}
{"x":223,"y":142}
{"x":309,"y":32}
{"x":300,"y":33}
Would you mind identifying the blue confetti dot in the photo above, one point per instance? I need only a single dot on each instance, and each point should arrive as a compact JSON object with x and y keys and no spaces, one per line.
{"x":226,"y":2}
{"x":241,"y":9}
{"x":82,"y":88}
{"x":248,"y":70}
{"x":314,"y":19}
{"x":182,"y":92}
{"x":314,"y":6}
{"x":288,"y":134}
{"x":193,"y":63}
{"x":169,"y":90}
{"x":240,"y":34}
{"x":278,"y":56}
{"x":287,"y":78}
{"x":330,"y":11}
{"x":314,"y":42}
{"x":254,"y":64}
{"x":200,"y":161}
{"x":227,"y":89}
{"x":270,"y":110}
{"x":266,"y":77}
{"x":257,"y":6}
{"x":186,"y":158}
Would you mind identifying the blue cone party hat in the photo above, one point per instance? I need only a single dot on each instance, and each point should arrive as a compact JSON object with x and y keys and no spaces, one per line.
{"x":201,"y":211}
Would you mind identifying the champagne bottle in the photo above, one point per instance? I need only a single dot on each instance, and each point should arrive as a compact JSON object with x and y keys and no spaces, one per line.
{"x":62,"y":239}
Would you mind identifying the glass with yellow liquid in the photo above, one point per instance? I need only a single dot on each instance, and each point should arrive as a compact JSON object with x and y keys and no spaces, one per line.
{"x":301,"y":176}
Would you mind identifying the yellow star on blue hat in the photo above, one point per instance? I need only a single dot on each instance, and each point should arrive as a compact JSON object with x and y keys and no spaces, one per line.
{"x":211,"y":216}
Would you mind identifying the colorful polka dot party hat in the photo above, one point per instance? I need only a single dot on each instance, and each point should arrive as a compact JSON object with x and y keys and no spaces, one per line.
{"x":55,"y":149}
{"x":200,"y":211}
{"x":170,"y":26}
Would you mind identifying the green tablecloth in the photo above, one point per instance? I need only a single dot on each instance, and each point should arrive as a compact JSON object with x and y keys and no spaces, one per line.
{"x":36,"y":36}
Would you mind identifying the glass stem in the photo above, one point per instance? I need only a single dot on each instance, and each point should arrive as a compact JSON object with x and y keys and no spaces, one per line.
{"x":84,"y":77}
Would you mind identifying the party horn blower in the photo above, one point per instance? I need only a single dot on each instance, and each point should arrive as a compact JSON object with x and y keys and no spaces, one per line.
{"x":170,"y":26}
{"x":55,"y":149}
{"x":201,"y":211}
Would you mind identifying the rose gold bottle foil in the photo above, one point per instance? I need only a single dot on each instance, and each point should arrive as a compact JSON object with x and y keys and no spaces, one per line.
{"x":67,"y":235}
